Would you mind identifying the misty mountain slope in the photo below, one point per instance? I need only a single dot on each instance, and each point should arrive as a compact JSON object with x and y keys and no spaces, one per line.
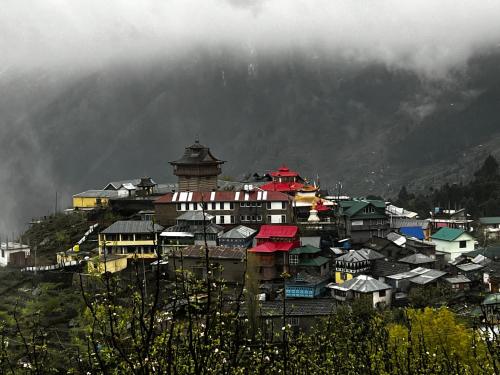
{"x":372,"y":127}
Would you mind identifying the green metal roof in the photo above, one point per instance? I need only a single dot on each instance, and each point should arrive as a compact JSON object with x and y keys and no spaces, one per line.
{"x":307,"y":249}
{"x":490,"y":220}
{"x":492,"y":299}
{"x":351,"y":208}
{"x":447,"y":234}
{"x":314,"y":262}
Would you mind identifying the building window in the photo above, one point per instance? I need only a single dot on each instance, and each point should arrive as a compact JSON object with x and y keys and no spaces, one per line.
{"x":343,"y":276}
{"x":179,"y":207}
{"x":242,"y":218}
{"x":369,"y":210}
{"x":232,"y":219}
{"x":221,"y":218}
{"x":259,"y":204}
{"x":268,"y":205}
{"x":249,"y":218}
{"x":231,"y":205}
{"x":283,"y":219}
{"x":242,"y":204}
{"x":221,"y":205}
{"x":381,"y":293}
{"x":213,"y":206}
{"x":283,"y":205}
{"x":259,"y":217}
{"x":3,"y":253}
{"x":268,"y":218}
{"x":294,"y":260}
{"x":463,"y":244}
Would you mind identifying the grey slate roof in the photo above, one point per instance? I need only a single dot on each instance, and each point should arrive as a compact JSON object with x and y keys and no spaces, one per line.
{"x":132,"y":226}
{"x":417,"y":259}
{"x":299,"y":307}
{"x":240,"y":231}
{"x":383,"y":267}
{"x":210,"y":228}
{"x":363,"y":284}
{"x":214,"y":252}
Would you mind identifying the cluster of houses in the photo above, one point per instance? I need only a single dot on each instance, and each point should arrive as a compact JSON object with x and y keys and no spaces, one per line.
{"x":300,"y":241}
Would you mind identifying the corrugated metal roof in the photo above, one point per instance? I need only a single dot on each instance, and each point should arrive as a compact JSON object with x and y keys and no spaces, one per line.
{"x":363,"y":284}
{"x":195,"y":216}
{"x":360,"y":255}
{"x":417,"y":259}
{"x":492,"y":220}
{"x":239,"y":232}
{"x":468,"y":267}
{"x":402,"y":222}
{"x":277,"y":231}
{"x":132,"y":226}
{"x":459,"y":279}
{"x":427,"y":277}
{"x":307,"y":249}
{"x":97,"y":194}
{"x":271,"y":247}
{"x":396,"y":238}
{"x":223,"y":196}
{"x":447,"y":234}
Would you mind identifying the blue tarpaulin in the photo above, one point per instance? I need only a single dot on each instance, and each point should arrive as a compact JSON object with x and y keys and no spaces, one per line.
{"x":416,"y":232}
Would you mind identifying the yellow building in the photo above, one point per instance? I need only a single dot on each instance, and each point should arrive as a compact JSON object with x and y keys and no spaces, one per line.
{"x":354,"y":263}
{"x":109,"y":263}
{"x":93,"y":198}
{"x":133,"y":238}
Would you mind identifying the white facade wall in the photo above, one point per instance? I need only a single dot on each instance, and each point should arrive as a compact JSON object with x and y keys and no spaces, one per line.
{"x":453,"y":247}
{"x":383,"y":300}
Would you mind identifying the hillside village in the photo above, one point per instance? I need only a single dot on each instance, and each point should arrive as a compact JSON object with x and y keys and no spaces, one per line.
{"x":305,"y":244}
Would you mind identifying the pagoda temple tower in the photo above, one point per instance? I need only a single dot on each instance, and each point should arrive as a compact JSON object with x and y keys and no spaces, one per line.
{"x":197,"y":169}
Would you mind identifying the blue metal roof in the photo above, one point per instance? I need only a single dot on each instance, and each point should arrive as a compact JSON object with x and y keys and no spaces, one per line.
{"x":416,"y":232}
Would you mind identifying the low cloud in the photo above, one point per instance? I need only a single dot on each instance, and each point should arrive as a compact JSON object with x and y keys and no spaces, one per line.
{"x":425,"y":35}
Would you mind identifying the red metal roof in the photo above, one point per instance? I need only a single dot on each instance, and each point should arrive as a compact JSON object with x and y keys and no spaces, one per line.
{"x":278,"y":231}
{"x":284,"y":171}
{"x":271,"y":247}
{"x":282,"y":186}
{"x":223,"y":196}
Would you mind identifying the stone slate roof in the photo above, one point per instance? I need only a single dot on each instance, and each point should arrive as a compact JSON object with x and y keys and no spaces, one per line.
{"x":459,"y":279}
{"x":197,"y":154}
{"x":132,"y":226}
{"x":363,"y":284}
{"x":382,"y":268}
{"x":214,"y":252}
{"x":210,"y":228}
{"x":299,"y":307}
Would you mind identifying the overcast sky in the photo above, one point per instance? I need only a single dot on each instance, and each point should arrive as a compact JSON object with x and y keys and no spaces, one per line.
{"x":428,"y":35}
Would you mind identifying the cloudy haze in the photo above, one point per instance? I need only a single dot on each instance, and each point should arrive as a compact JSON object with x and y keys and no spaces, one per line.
{"x":427,"y":35}
{"x":79,"y":79}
